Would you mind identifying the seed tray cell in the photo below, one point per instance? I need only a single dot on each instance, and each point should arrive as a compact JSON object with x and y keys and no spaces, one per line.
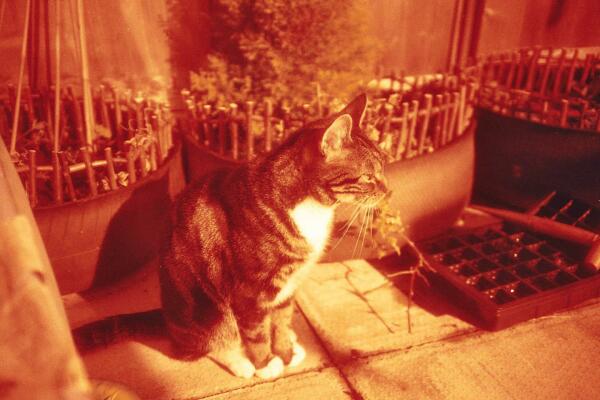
{"x":508,"y":274}
{"x":563,"y":208}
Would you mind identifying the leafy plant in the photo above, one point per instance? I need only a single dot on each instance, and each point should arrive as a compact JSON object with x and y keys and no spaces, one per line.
{"x":282,"y":48}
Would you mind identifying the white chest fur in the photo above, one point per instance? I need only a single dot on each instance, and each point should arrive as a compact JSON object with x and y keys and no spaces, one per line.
{"x":313,"y":220}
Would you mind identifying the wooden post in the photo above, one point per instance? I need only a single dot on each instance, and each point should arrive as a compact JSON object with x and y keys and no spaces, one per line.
{"x":77,"y":117}
{"x":511,"y":71}
{"x":143,"y":158}
{"x":110,"y":168}
{"x":104,"y":108}
{"x":267,"y":121}
{"x":532,"y":69}
{"x":586,"y":69}
{"x":118,"y":118}
{"x":57,"y":188}
{"x":131,"y":164}
{"x":89,"y":169}
{"x":411,"y":129}
{"x":400,"y":150}
{"x":222,"y":115}
{"x":32,"y":179}
{"x":546,"y":73}
{"x":584,"y":109}
{"x":206,"y":128}
{"x":39,"y":360}
{"x":571,"y":73}
{"x":249,"y":132}
{"x":57,"y":97}
{"x":425,"y":123}
{"x":437,"y":129}
{"x":67,"y":175}
{"x":16,"y":113}
{"x":564,"y":112}
{"x":234,"y":131}
{"x":88,"y":107}
{"x":454,"y":116}
{"x":559,"y":70}
{"x":461,"y":110}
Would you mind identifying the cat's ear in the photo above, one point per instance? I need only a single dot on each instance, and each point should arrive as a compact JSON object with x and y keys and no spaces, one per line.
{"x":336,"y":135}
{"x":357,"y":109}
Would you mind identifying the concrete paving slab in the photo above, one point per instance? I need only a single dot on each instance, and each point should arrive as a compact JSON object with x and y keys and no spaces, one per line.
{"x":325,"y":384}
{"x":357,"y":311}
{"x":553,"y":357}
{"x":147,"y":368}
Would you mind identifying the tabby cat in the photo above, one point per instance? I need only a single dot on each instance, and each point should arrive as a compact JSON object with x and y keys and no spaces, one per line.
{"x":243,"y":238}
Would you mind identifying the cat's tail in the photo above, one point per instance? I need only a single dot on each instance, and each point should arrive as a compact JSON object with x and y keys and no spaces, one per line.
{"x":119,"y":327}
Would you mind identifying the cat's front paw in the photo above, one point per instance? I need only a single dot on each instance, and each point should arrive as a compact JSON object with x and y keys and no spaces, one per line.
{"x":243,"y":368}
{"x":299,"y":355}
{"x":272,"y":370}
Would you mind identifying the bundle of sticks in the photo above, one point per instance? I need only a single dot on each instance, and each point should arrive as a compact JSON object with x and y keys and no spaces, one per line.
{"x":416,"y":116}
{"x":559,"y":87}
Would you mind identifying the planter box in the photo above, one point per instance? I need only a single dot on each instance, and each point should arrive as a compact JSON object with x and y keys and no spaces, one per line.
{"x":100,"y":240}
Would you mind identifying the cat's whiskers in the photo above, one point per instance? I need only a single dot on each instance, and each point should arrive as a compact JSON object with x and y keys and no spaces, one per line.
{"x":348,"y":224}
{"x":362,"y":231}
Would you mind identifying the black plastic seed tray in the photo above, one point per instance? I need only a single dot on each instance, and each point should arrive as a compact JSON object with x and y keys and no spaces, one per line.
{"x":563,"y":208}
{"x":506,"y":274}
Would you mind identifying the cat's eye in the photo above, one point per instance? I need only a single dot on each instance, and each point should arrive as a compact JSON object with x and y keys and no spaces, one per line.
{"x":366,"y":179}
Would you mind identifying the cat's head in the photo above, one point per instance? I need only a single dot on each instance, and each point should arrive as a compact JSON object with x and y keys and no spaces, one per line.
{"x":351,"y":165}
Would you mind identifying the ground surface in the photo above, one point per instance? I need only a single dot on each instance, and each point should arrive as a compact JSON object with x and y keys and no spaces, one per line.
{"x":352,"y":320}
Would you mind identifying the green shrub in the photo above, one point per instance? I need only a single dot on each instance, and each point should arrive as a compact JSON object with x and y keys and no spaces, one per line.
{"x":282,"y":48}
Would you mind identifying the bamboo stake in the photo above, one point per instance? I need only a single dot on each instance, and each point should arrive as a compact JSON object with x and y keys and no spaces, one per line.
{"x":520,"y":70}
{"x":454,"y":116}
{"x":57,"y":188}
{"x":153,"y":161}
{"x":389,"y":110}
{"x":67,"y":176}
{"x":57,"y":98}
{"x":88,"y":111}
{"x":131,"y":164}
{"x":32,"y":179}
{"x":532,"y":69}
{"x":89,"y":169}
{"x":110,"y":168}
{"x":143,"y":157}
{"x":77,"y":117}
{"x":461,"y":110}
{"x":411,"y":130}
{"x":564,"y":112}
{"x":511,"y":71}
{"x":118,"y":117}
{"x":221,"y":129}
{"x":586,"y":69}
{"x":584,"y":109}
{"x":559,"y":71}
{"x":437,"y":129}
{"x":206,"y":125}
{"x":249,"y":133}
{"x":104,"y":108}
{"x":425,"y":123}
{"x":403,"y":132}
{"x":319,"y":103}
{"x":446,"y":118}
{"x":233,"y":128}
{"x":571,"y":73}
{"x":267,"y":120}
{"x":546,"y":73}
{"x":15,"y":125}
{"x":544,"y":113}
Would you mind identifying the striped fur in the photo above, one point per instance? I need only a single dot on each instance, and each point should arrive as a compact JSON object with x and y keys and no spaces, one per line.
{"x":243,"y":239}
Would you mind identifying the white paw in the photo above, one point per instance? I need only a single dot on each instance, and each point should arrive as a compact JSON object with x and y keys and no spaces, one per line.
{"x":272,"y":370}
{"x":299,"y":355}
{"x":243,"y":368}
